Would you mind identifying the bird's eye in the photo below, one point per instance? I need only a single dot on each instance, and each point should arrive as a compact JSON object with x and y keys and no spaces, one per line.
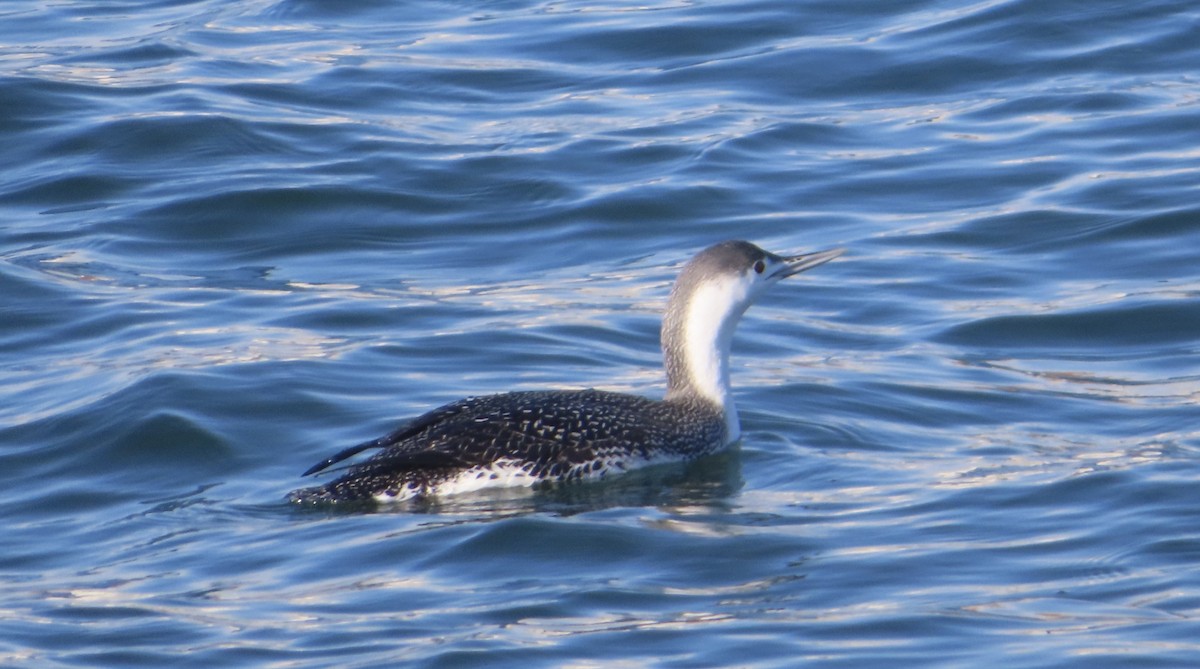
{"x":760,"y":267}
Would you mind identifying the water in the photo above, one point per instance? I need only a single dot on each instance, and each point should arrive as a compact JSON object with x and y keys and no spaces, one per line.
{"x":236,"y":237}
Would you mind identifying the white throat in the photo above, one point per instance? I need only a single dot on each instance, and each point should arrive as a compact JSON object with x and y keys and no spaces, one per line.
{"x":708,"y":322}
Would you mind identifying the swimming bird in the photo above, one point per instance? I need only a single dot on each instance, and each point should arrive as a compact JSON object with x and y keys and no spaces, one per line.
{"x":526,"y":437}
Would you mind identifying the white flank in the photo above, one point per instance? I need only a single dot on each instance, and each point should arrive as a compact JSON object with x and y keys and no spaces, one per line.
{"x":501,"y":474}
{"x":515,"y":474}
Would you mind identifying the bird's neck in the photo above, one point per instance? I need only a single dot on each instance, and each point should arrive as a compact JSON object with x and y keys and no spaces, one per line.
{"x":696,"y":337}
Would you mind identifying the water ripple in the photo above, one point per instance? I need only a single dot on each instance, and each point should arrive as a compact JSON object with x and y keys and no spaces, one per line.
{"x":238,"y":236}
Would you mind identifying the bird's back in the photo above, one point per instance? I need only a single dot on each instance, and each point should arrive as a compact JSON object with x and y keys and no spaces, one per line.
{"x":522,"y":438}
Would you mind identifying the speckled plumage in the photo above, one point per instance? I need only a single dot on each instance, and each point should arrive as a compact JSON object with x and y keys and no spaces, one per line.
{"x":522,"y":438}
{"x":550,"y":435}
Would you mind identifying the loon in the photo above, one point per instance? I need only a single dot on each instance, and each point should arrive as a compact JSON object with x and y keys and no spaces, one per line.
{"x":528,"y":437}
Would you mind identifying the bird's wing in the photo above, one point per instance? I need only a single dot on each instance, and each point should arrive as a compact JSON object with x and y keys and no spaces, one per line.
{"x":405,"y":432}
{"x":557,"y":430}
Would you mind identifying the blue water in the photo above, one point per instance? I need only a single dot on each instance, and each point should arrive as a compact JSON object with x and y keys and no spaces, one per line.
{"x":236,"y":237}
